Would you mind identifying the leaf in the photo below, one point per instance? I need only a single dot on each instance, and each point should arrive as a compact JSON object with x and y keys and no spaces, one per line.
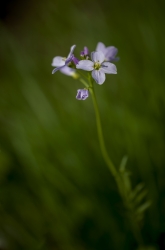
{"x":141,"y":196}
{"x":123,"y":164}
{"x":143,"y":207}
{"x":126,"y":181}
{"x":137,"y":189}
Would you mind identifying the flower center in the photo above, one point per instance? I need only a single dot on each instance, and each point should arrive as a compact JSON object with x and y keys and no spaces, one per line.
{"x":64,"y":59}
{"x":97,"y":65}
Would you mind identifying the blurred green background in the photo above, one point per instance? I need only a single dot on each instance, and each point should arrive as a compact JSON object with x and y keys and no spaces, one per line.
{"x":56,"y":192}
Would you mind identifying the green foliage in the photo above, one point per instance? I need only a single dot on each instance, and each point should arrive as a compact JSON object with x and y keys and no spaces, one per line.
{"x":135,"y":197}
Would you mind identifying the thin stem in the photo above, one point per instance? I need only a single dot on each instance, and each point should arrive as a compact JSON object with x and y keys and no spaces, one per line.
{"x":114,"y":172}
{"x":82,"y":74}
{"x":101,"y":140}
{"x":112,"y":168}
{"x":84,"y":82}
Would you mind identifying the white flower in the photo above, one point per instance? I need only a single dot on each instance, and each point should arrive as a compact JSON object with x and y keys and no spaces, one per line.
{"x":98,"y":66}
{"x":61,"y":63}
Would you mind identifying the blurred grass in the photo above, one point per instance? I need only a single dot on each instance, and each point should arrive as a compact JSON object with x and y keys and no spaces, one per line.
{"x":55,"y":190}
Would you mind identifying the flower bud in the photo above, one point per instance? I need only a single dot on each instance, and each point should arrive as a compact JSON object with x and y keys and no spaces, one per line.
{"x":82,"y":94}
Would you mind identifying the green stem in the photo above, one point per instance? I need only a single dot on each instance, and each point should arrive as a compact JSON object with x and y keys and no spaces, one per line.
{"x":115,"y":173}
{"x":84,"y":82}
{"x":112,"y":168}
{"x":100,"y":136}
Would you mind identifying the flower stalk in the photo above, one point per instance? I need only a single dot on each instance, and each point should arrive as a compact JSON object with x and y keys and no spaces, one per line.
{"x":115,"y":173}
{"x":97,"y":64}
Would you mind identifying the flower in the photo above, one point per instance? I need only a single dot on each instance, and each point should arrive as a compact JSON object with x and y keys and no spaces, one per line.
{"x":82,"y":94}
{"x":60,"y":62}
{"x":98,"y":66}
{"x":109,"y":52}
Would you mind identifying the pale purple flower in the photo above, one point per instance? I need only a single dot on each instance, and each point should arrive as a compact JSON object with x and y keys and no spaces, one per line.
{"x":109,"y":52}
{"x":82,"y":94}
{"x":98,"y":66}
{"x":60,"y":62}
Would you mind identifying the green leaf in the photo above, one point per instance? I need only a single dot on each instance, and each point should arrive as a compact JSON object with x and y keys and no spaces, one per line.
{"x":126,"y":181}
{"x":137,"y":189}
{"x":141,"y":196}
{"x":123,"y":164}
{"x":143,"y":207}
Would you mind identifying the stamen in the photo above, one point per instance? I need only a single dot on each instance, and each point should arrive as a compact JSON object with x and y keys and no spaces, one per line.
{"x":97,"y":65}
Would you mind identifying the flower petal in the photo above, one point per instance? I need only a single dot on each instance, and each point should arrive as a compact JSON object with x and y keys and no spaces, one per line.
{"x":85,"y":65}
{"x":69,"y":59}
{"x":85,"y":52}
{"x":111,"y":52}
{"x":108,"y":68}
{"x":101,"y":47}
{"x":67,"y":71}
{"x":97,"y":57}
{"x":56,"y":69}
{"x":82,"y":94}
{"x":71,"y":51}
{"x":98,"y":76}
{"x":58,"y":61}
{"x":75,"y":60}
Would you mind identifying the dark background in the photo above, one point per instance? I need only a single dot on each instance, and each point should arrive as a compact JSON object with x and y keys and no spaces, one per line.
{"x":55,"y":189}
